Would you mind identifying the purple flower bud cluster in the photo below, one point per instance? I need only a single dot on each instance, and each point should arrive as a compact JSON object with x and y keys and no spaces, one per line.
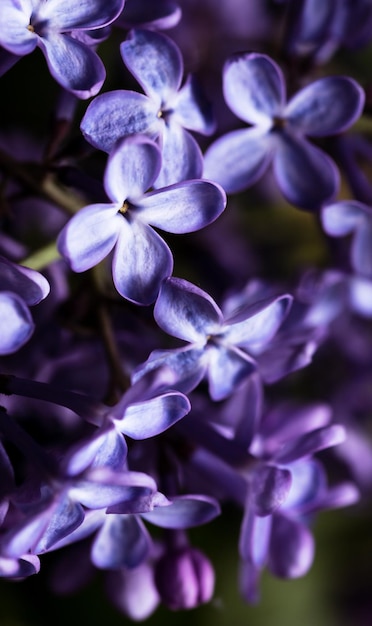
{"x":151,"y":382}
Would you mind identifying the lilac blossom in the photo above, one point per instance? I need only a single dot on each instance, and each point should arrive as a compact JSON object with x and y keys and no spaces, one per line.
{"x":166,"y":112}
{"x":279,"y":484}
{"x":51,"y":26}
{"x":350,"y":217}
{"x":91,"y":476}
{"x":220,"y":349}
{"x":141,"y":258}
{"x":254,"y":89}
{"x":20,"y":288}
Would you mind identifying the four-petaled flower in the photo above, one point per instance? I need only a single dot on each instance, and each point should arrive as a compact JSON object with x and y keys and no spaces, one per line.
{"x":221,"y":349}
{"x":141,"y":259}
{"x":27,"y":24}
{"x":166,"y":112}
{"x":254,"y":89}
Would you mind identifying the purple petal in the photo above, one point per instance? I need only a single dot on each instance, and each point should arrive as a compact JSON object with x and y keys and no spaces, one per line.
{"x":259,"y":327}
{"x":90,"y":235}
{"x":142,"y":260}
{"x":184,"y":207}
{"x":19,"y":568}
{"x":327,"y":106}
{"x":132,"y":167}
{"x":181,"y":155}
{"x":16,"y":324}
{"x":361,"y":249}
{"x":156,"y":62}
{"x":309,"y":483}
{"x":103,"y":487}
{"x":270,"y":489}
{"x":311,"y":442}
{"x":188,"y":364}
{"x":341,"y":218}
{"x":238,"y":159}
{"x":228,"y":367}
{"x":85,"y":14}
{"x":306,"y":176}
{"x":117,"y":114}
{"x":74,"y":65}
{"x":14,"y":34}
{"x":123,"y":541}
{"x":185,"y":311}
{"x":192,"y":110}
{"x":133,"y":591}
{"x":148,"y":419}
{"x":291,"y":548}
{"x":254,"y":88}
{"x":184,"y":512}
{"x":30,"y":285}
{"x":254,"y":536}
{"x":360,"y":293}
{"x":106,"y":448}
{"x":65,"y":519}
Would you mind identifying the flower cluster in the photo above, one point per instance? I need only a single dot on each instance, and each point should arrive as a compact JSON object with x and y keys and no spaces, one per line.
{"x":161,"y":379}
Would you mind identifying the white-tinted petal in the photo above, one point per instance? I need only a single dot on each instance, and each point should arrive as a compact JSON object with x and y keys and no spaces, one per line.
{"x":341,"y":218}
{"x":142,"y":260}
{"x":132,"y":168}
{"x":328,"y":106}
{"x":181,"y":155}
{"x":228,"y":367}
{"x":185,"y":311}
{"x":306,"y":176}
{"x":184,"y":207}
{"x":14,"y":20}
{"x":16,"y":324}
{"x":67,"y":15}
{"x":90,"y":235}
{"x":150,"y":418}
{"x":74,"y":65}
{"x":123,"y":541}
{"x":254,"y":88}
{"x":184,"y":512}
{"x":192,"y":110}
{"x":155,"y":61}
{"x":117,"y":114}
{"x":238,"y":159}
{"x":259,"y":327}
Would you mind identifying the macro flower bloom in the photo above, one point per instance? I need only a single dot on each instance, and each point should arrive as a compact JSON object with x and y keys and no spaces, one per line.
{"x":166,"y":112}
{"x":141,"y":259}
{"x":254,"y":89}
{"x":27,"y":24}
{"x":221,"y":349}
{"x":20,"y":287}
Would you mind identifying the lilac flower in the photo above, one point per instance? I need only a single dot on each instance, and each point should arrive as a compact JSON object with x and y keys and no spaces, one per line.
{"x":166,"y":112}
{"x":279,"y":484}
{"x":121,"y":539}
{"x":352,"y":217}
{"x":254,"y":89}
{"x":27,"y":24}
{"x":20,"y":287}
{"x":221,"y":349}
{"x":141,"y":259}
{"x":91,"y":476}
